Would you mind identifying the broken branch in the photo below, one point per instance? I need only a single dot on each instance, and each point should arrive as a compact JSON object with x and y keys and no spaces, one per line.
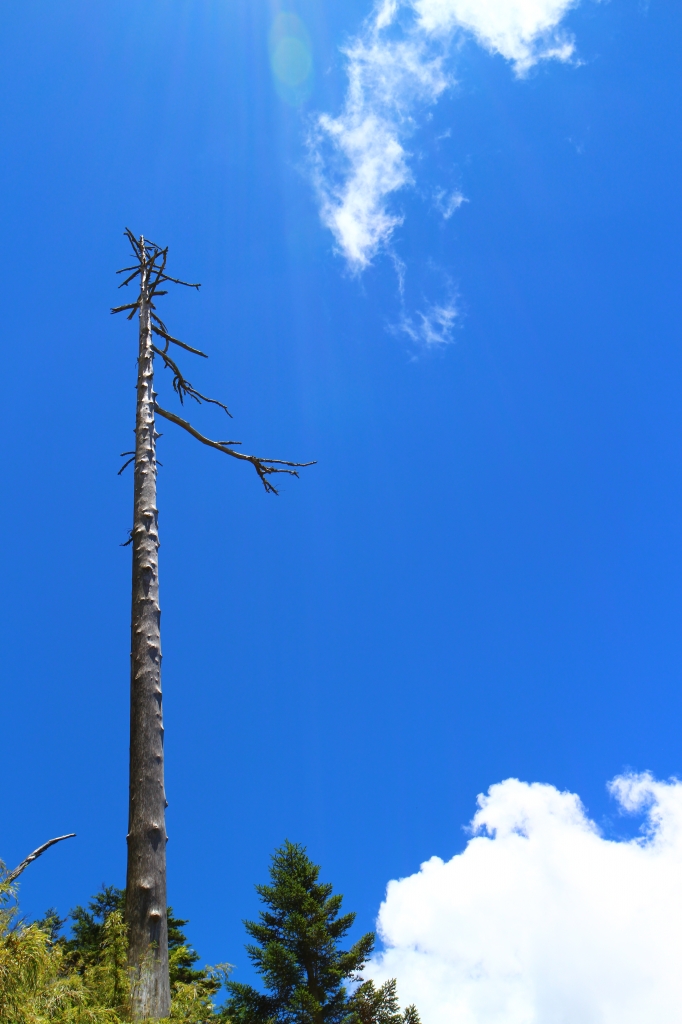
{"x":34,"y":856}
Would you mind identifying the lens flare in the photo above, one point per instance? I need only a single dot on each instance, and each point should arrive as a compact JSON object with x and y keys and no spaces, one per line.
{"x":291,"y":58}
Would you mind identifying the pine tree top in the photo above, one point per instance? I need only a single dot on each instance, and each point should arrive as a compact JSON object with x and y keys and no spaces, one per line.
{"x":297,"y":954}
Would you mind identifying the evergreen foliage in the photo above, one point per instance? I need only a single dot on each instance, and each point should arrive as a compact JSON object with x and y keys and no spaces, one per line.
{"x":38,"y":984}
{"x":182,"y":957}
{"x":297,"y":953}
{"x":48,"y":979}
{"x":87,"y":929}
{"x":371,"y":1005}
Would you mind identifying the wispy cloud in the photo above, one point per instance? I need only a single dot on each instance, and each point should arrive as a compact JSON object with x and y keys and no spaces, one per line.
{"x":397,"y":65}
{"x":543,"y":919}
{"x":431,"y":327}
{"x":360,"y":157}
{"x":447,"y":202}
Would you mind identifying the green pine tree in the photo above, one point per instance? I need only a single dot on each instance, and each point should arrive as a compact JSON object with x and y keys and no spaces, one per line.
{"x":84,"y":947}
{"x":182,"y":957}
{"x":87,"y":928}
{"x":296,"y":952}
{"x":52,"y":925}
{"x":372,"y":1005}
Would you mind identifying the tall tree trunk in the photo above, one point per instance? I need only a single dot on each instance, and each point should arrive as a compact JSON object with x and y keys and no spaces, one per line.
{"x":146,"y":877}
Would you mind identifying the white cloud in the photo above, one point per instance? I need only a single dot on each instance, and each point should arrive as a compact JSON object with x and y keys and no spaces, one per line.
{"x":396,"y":65}
{"x":446,"y":203}
{"x":431,"y":327}
{"x":360,"y":158}
{"x":523,"y":31}
{"x":543,"y":920}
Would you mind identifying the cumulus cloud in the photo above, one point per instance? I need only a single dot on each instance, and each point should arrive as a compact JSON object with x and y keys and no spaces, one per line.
{"x":397,"y":65}
{"x":542,"y":919}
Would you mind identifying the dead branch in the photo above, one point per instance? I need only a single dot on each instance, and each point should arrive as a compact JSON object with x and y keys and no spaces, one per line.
{"x":137,"y":250}
{"x":151,"y":252}
{"x":187,"y":284}
{"x":182,"y":386}
{"x":163,"y":333}
{"x":264,"y":467}
{"x":152,"y":259}
{"x":126,"y":464}
{"x":128,"y":279}
{"x":34,"y":856}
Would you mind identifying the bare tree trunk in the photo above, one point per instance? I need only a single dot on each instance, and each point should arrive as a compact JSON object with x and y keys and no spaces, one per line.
{"x":146,"y":878}
{"x":146,"y":910}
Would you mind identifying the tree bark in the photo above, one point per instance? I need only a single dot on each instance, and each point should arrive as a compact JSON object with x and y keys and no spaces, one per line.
{"x":146,"y":916}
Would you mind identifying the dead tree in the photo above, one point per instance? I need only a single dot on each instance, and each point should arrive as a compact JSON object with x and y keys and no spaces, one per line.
{"x":146,"y":874}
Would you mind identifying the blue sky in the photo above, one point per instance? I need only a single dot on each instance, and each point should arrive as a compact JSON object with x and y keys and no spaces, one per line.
{"x":479,"y":579}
